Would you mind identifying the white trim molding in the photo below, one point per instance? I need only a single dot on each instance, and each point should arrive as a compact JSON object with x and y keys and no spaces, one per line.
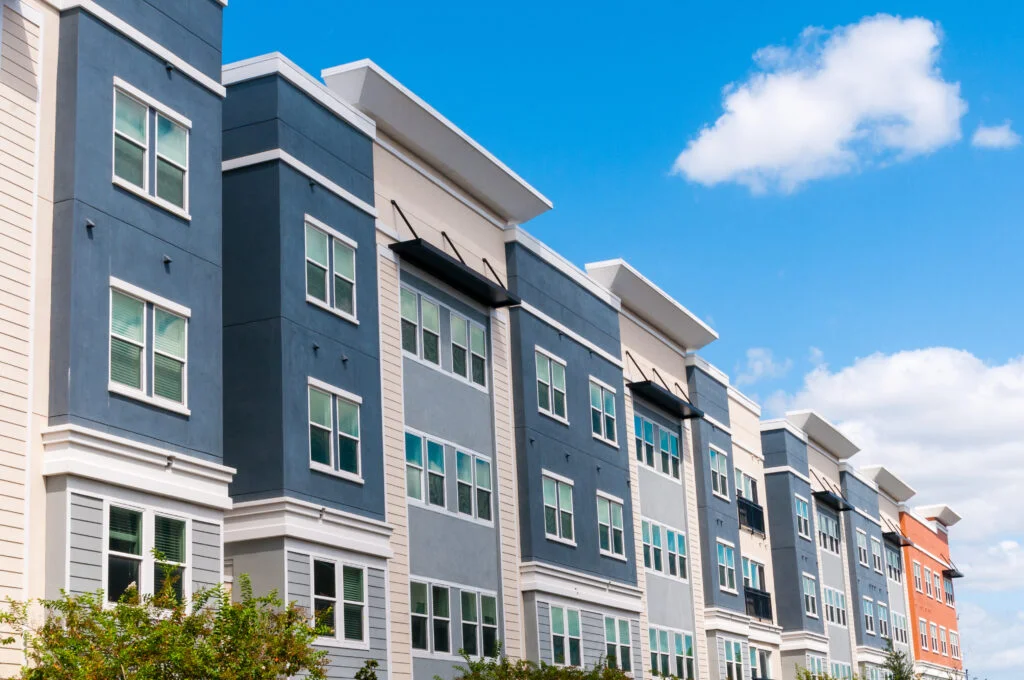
{"x":580,"y":587}
{"x":766,"y":634}
{"x":726,"y":621}
{"x":804,"y":640}
{"x":783,"y":424}
{"x":787,"y":469}
{"x":302,"y":520}
{"x":82,"y":452}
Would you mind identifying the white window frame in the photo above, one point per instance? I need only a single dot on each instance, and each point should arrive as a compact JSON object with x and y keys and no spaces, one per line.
{"x":733,"y":668}
{"x":816,"y":666}
{"x":829,"y":542}
{"x":882,"y":612}
{"x":835,"y":606}
{"x":665,"y":455}
{"x":746,"y":486}
{"x":604,"y":387}
{"x":613,"y":502}
{"x":803,"y":524}
{"x":928,"y":582}
{"x":474,"y":486}
{"x":954,"y":644}
{"x":332,"y":272}
{"x":933,"y":628}
{"x":937,"y":586}
{"x":810,"y":600}
{"x":869,"y":616}
{"x":568,"y":637}
{"x":552,"y":358}
{"x":563,"y":481}
{"x":917,"y":577}
{"x":715,"y":453}
{"x":759,"y":671}
{"x":899,"y":628}
{"x":424,"y":471}
{"x":727,"y":550}
{"x":876,"y":556}
{"x":674,"y":656}
{"x":947,"y":588}
{"x":617,"y":662}
{"x":150,"y":303}
{"x":344,"y":395}
{"x":339,"y":639}
{"x":862,"y":548}
{"x":894,"y":571}
{"x":153,"y":108}
{"x":655,"y":551}
{"x":479,"y":625}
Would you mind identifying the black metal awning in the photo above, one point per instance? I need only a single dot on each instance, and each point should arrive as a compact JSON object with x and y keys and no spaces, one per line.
{"x":897,"y":538}
{"x":833,"y":500}
{"x":659,"y":396}
{"x":952,"y":573}
{"x":436,"y":262}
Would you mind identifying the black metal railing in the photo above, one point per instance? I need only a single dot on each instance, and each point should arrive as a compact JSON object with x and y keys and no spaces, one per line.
{"x":751,"y":515}
{"x":759,"y":604}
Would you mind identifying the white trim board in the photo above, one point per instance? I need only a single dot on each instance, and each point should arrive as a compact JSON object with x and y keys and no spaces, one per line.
{"x":579,"y":587}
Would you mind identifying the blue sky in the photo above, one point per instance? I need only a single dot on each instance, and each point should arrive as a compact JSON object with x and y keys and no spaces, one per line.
{"x":913,"y":257}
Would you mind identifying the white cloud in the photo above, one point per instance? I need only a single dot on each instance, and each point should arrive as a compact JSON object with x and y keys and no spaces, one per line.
{"x":761,"y":363}
{"x":992,"y":642}
{"x":816,"y":357}
{"x":993,"y":568}
{"x":995,"y":137}
{"x":865,"y":93}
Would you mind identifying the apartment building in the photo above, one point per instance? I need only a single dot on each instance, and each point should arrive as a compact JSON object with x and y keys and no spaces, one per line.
{"x":931,"y":597}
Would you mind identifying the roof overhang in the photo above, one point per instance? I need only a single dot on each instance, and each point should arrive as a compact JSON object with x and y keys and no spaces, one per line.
{"x":657,"y":395}
{"x":943,"y":514}
{"x":656,"y":306}
{"x":435,"y":261}
{"x":888,"y":482}
{"x":419,"y":127}
{"x":823,"y":432}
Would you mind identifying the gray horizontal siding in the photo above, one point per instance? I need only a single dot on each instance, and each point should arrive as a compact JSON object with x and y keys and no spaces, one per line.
{"x":544,"y":631}
{"x":85,"y":570}
{"x":593,"y":637}
{"x":206,"y":564}
{"x":299,"y":579}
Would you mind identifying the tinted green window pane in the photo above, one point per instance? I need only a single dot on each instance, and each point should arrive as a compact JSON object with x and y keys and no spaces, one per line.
{"x":344,"y":295}
{"x":168,"y":378}
{"x":352,"y":583}
{"x":609,"y":403}
{"x":414,"y":483}
{"x":162,"y":572}
{"x":595,"y":422}
{"x":418,"y":598}
{"x":414,"y":449}
{"x":479,"y":370}
{"x":440,"y":597}
{"x":170,"y":183}
{"x":549,"y":491}
{"x":431,"y":348}
{"x":617,"y":516}
{"x":121,"y":572}
{"x":169,"y":538}
{"x":169,"y":332}
{"x":353,"y":621}
{"x":567,"y":526}
{"x":595,"y":396}
{"x":679,"y":644}
{"x":172,"y":141}
{"x":465,"y":498}
{"x":319,"y":445}
{"x":551,"y":521}
{"x":459,"y":331}
{"x":130,"y":118}
{"x":320,"y":407}
{"x":459,"y":360}
{"x":464,"y":467}
{"x":431,"y":316}
{"x":316,"y":246}
{"x":543,"y":397}
{"x":604,"y":539}
{"x":558,"y":648}
{"x":468,"y":607}
{"x":565,"y":497}
{"x":559,"y":404}
{"x":483,"y":474}
{"x":348,"y":454}
{"x":609,"y":629}
{"x":557,"y":620}
{"x":348,"y":417}
{"x":435,"y":457}
{"x":543,"y":368}
{"x":344,"y":261}
{"x":489,"y":610}
{"x":624,"y":632}
{"x":125,"y":363}
{"x":558,"y":376}
{"x":603,"y":513}
{"x":574,"y":623}
{"x":125,"y":531}
{"x":129,"y":161}
{"x":316,"y":281}
{"x":435,"y":489}
{"x":127,"y":317}
{"x":477,"y":339}
{"x":409,"y":305}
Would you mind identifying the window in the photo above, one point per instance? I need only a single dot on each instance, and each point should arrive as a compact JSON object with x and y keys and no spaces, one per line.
{"x":719,"y":473}
{"x":948,"y":586}
{"x":935,"y":637}
{"x":942,"y":641}
{"x":419,"y":608}
{"x":922,"y":627}
{"x":917,"y":577}
{"x":489,"y":629}
{"x":753,"y":575}
{"x":441,"y":617}
{"x":760,"y":664}
{"x":726,"y":567}
{"x":676,"y":553}
{"x":835,"y":606}
{"x":954,"y":644}
{"x":410,"y":321}
{"x":899,"y":628}
{"x":816,"y":666}
{"x":134,"y":115}
{"x":876,"y":555}
{"x":893,"y":565}
{"x":473,"y":475}
{"x":470,"y":623}
{"x":810,"y":596}
{"x":132,"y":535}
{"x":733,"y":660}
{"x":602,"y":411}
{"x":842,"y":671}
{"x":333,"y":416}
{"x":478,"y":354}
{"x":618,"y":643}
{"x":330,"y":268}
{"x":803,"y":518}
{"x":669,"y":453}
{"x":643,"y":430}
{"x":862,"y":547}
{"x":928,"y":582}
{"x":350,"y":612}
{"x":550,"y":384}
{"x":661,"y":652}
{"x":132,"y":310}
{"x":415,"y":470}
{"x":430,"y":330}
{"x":566,"y":637}
{"x":828,"y":533}
{"x":672,"y":653}
{"x":609,"y":526}
{"x":746,"y":486}
{"x":460,"y":345}
{"x":479,"y":624}
{"x":869,"y":616}
{"x":883,"y":620}
{"x":937,"y":581}
{"x":558,"y":521}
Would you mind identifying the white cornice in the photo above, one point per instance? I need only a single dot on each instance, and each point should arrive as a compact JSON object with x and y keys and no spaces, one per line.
{"x":563,"y":582}
{"x":804,"y":640}
{"x":727,"y":621}
{"x":783,"y":424}
{"x":870,"y":655}
{"x":746,"y":401}
{"x":850,"y":470}
{"x":717,"y":425}
{"x":546,"y":253}
{"x":277,"y":63}
{"x":293,"y":518}
{"x":787,"y":469}
{"x":82,"y":452}
{"x":765,"y":633}
{"x":697,"y":361}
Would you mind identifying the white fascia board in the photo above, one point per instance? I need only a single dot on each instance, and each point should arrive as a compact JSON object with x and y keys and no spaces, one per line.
{"x":823,"y":432}
{"x":745,"y":401}
{"x":575,"y":585}
{"x":782,"y":424}
{"x":941,"y":513}
{"x":703,"y":364}
{"x":889,"y":483}
{"x":277,"y":63}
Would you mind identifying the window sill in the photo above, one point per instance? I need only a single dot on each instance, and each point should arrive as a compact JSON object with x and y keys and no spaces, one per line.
{"x":155,"y":200}
{"x":811,"y":616}
{"x":674,"y":480}
{"x":337,"y":643}
{"x":443,"y":656}
{"x":731,"y":591}
{"x":609,"y":442}
{"x":440,"y":369}
{"x":721,"y":497}
{"x":146,"y":399}
{"x":552,"y":416}
{"x":611,"y":555}
{"x":806,"y":538}
{"x":445,"y":511}
{"x":559,"y":539}
{"x":341,"y":474}
{"x":327,"y":308}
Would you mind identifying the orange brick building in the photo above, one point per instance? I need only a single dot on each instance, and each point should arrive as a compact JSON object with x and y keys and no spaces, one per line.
{"x":930,"y":594}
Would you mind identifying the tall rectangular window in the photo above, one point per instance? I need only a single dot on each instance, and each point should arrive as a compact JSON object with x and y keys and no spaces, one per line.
{"x":440,"y":616}
{"x":937,"y":583}
{"x":550,"y":384}
{"x":746,"y":486}
{"x":816,"y":666}
{"x":469,"y":350}
{"x":602,"y":411}
{"x":349,"y":610}
{"x":419,"y":608}
{"x":330,"y":268}
{"x":883,"y":620}
{"x":894,"y":565}
{"x":430,"y":337}
{"x":726,"y":567}
{"x":803,"y":518}
{"x":835,"y":606}
{"x":473,"y":475}
{"x":719,"y":473}
{"x":435,"y":473}
{"x":124,"y":551}
{"x":489,"y":625}
{"x":643,"y":431}
{"x":170,"y":560}
{"x":618,"y":643}
{"x":828,"y":533}
{"x":424,"y":479}
{"x":876,"y":555}
{"x":753,"y":575}
{"x":862,"y":548}
{"x":460,"y":345}
{"x":566,"y":637}
{"x":609,"y":527}
{"x":131,"y":139}
{"x":478,"y":355}
{"x":333,"y":430}
{"x":927,"y":581}
{"x":733,"y":660}
{"x":171,"y":161}
{"x":558,"y":515}
{"x":869,"y":616}
{"x":127,"y":340}
{"x":922,"y":628}
{"x":935,"y":637}
{"x":675,"y":548}
{"x":954,"y":644}
{"x":760,"y":664}
{"x":410,"y":321}
{"x":810,"y":596}
{"x":948,"y":586}
{"x":917,"y":577}
{"x":470,"y":623}
{"x":669,"y":453}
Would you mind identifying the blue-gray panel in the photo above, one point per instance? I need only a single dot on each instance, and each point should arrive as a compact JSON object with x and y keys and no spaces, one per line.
{"x":782,"y":449}
{"x":447,"y":548}
{"x":708,"y":394}
{"x":864,"y":580}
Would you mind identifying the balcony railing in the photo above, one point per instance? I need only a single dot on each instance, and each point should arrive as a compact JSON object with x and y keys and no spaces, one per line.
{"x":759,"y":604}
{"x":751,"y":515}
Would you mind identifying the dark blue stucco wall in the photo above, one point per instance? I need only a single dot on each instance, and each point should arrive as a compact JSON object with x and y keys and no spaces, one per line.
{"x":131,"y":238}
{"x":865,"y":581}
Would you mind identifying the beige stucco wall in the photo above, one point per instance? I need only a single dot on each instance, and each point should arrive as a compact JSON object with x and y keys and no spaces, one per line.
{"x":432,"y":209}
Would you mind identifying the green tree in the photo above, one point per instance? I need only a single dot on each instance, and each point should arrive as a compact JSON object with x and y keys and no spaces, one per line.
{"x":504,"y":668}
{"x":898,"y":664}
{"x":161,"y":637}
